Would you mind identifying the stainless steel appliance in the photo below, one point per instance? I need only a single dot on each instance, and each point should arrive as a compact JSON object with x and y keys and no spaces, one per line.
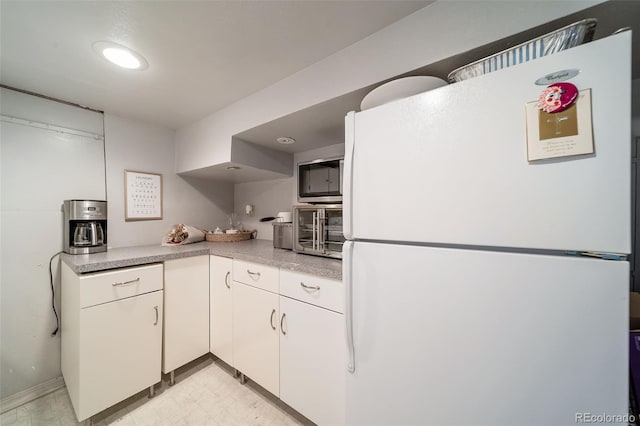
{"x":320,"y":181}
{"x":85,"y":226}
{"x":317,"y":230}
{"x":283,"y":235}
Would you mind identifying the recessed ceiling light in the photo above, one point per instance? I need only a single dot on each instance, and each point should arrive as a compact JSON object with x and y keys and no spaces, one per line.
{"x":286,"y":140}
{"x":233,"y":168}
{"x":120,"y":55}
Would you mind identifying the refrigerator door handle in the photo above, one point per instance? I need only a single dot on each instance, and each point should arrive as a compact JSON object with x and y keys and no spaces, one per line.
{"x":347,"y":180}
{"x":347,"y":252}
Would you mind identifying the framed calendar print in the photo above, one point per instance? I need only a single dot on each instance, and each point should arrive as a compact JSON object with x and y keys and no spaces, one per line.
{"x":142,"y":195}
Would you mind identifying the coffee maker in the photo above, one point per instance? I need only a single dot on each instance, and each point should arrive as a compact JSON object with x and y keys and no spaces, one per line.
{"x":85,"y":226}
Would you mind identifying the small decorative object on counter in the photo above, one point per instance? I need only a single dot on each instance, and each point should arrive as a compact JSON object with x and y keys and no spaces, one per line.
{"x":182,"y":234}
{"x":218,"y":230}
{"x":229,"y":237}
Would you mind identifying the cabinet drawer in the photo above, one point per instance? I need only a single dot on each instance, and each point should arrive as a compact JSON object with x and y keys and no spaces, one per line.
{"x":318,"y":291}
{"x":103,"y":287}
{"x":256,"y":275}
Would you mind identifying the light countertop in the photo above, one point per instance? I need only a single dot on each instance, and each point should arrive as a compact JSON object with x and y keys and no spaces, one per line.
{"x":258,"y":251}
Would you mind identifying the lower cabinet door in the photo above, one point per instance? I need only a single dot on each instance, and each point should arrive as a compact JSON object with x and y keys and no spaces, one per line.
{"x":312,"y":361}
{"x":186,"y":311}
{"x":120,"y":351}
{"x":221,"y":314}
{"x":255,"y":335}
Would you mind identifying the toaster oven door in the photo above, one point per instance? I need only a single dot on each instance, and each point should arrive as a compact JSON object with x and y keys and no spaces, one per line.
{"x":318,"y":231}
{"x":331,"y":235}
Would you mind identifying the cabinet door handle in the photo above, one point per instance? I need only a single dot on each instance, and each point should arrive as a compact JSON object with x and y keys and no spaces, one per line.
{"x":226,"y":280}
{"x":157,"y":315}
{"x":126,"y":282}
{"x":310,"y":287}
{"x":281,"y":325}
{"x":271,"y":320}
{"x":252,"y":274}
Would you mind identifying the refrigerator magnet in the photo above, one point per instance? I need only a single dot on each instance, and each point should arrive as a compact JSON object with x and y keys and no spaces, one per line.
{"x":560,"y":134}
{"x":557,"y":97}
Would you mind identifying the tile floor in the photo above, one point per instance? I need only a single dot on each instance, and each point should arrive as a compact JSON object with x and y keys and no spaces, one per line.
{"x":205,"y":394}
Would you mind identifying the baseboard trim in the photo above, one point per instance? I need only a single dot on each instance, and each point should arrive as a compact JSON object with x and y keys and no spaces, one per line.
{"x":28,"y":395}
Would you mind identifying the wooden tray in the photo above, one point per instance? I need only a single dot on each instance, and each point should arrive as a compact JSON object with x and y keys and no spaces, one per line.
{"x":227,"y":238}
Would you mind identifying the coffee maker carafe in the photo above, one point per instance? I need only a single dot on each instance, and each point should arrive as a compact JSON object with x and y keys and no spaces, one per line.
{"x":85,"y":226}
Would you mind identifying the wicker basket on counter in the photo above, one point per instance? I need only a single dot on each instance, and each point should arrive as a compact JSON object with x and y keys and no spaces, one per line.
{"x":228,"y":238}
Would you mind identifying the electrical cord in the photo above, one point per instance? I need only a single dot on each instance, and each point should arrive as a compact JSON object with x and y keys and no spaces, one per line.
{"x":53,"y":295}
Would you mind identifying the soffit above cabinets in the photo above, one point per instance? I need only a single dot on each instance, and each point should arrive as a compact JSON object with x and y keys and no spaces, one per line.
{"x":227,"y":172}
{"x":323,"y":124}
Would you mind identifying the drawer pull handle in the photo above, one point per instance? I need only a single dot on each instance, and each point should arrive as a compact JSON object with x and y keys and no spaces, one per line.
{"x":226,"y":280}
{"x":126,"y":282}
{"x":281,"y":326}
{"x":257,"y":274}
{"x":272,"y":314}
{"x":157,"y":315}
{"x":310,"y":287}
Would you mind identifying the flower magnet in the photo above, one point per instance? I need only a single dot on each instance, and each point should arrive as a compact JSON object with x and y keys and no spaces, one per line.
{"x":557,"y":97}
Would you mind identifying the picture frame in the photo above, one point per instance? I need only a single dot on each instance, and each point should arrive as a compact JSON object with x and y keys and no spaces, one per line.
{"x":142,"y":196}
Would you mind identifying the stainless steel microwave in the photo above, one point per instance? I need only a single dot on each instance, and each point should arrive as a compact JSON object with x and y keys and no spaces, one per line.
{"x":320,"y":181}
{"x":317,"y":230}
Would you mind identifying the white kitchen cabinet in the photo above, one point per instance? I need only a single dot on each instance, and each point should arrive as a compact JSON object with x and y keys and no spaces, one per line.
{"x":255,"y":335}
{"x":256,"y":275}
{"x":221,"y":313}
{"x":186,"y":311}
{"x":111,"y":326}
{"x":312,"y":289}
{"x":312,"y":348}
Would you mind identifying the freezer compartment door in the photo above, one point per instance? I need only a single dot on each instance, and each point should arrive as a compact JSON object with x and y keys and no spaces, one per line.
{"x":465,"y":337}
{"x":450,"y":165}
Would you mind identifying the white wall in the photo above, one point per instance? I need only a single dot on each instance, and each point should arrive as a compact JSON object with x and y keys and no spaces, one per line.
{"x":131,"y":145}
{"x":436,"y":32}
{"x":268,"y":198}
{"x":40,"y":167}
{"x":273,"y":196}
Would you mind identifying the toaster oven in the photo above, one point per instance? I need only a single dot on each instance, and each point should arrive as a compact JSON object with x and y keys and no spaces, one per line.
{"x":317,"y":230}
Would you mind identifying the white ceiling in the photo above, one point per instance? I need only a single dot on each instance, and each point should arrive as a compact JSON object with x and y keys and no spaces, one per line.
{"x":202,"y":55}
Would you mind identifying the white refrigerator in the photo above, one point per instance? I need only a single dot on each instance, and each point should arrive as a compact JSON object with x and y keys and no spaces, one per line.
{"x":469,"y":300}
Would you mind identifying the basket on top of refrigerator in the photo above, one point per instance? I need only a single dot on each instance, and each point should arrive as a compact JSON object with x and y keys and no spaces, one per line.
{"x":553,"y":42}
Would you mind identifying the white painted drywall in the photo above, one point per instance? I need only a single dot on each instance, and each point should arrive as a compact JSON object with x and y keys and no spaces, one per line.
{"x":267,"y":197}
{"x":39,"y":169}
{"x":436,"y":32}
{"x":131,"y":145}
